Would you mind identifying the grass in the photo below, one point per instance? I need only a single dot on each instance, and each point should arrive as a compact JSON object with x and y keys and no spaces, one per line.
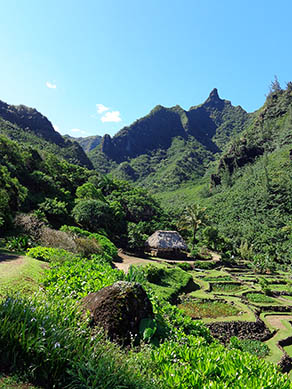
{"x":218,"y":278}
{"x":23,"y":277}
{"x":9,"y":382}
{"x":208,"y":309}
{"x":282,"y":333}
{"x":167,"y":282}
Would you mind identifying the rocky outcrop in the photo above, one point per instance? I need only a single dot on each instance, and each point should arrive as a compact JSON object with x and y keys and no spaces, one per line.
{"x":24,"y":124}
{"x":118,"y":309}
{"x":30,"y":119}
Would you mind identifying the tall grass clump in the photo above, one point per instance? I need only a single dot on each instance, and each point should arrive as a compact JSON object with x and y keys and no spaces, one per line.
{"x":48,"y":344}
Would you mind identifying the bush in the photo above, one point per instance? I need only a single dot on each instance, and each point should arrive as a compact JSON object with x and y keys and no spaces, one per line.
{"x":185,"y":266}
{"x":57,"y":239}
{"x":50,"y":254}
{"x":205,"y":265}
{"x":108,"y":248}
{"x":155,"y":274}
{"x":30,"y":224}
{"x":18,"y":243}
{"x":87,"y":247}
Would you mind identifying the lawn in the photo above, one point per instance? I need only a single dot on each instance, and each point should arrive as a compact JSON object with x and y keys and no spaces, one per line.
{"x":20,"y":274}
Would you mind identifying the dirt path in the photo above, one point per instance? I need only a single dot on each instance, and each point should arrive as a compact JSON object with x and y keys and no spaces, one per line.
{"x":276,"y":320}
{"x":11,"y":259}
{"x":126,"y":260}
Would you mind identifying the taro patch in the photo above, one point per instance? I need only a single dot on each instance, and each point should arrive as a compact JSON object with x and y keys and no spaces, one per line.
{"x":199,"y":309}
{"x":225,"y":287}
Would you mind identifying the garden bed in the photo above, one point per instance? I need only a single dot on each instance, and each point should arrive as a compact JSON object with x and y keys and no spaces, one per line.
{"x":199,"y":309}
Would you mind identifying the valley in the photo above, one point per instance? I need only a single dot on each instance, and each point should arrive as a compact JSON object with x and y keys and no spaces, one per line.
{"x":74,"y":222}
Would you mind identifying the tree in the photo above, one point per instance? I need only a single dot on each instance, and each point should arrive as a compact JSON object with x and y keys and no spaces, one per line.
{"x":275,"y":85}
{"x":192,"y":218}
{"x":93,"y":215}
{"x":88,"y":191}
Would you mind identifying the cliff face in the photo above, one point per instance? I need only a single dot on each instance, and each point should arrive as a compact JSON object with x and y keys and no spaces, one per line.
{"x":157,"y":130}
{"x":30,"y":119}
{"x":27,"y":125}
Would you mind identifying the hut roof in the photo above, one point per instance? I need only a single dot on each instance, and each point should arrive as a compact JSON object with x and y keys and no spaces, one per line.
{"x":166,"y":240}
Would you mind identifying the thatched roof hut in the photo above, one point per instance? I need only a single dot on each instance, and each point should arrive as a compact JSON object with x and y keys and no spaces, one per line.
{"x":165,"y":243}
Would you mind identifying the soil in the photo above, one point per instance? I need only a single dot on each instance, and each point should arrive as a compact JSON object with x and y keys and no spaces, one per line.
{"x":15,"y":259}
{"x":126,"y":260}
{"x":276,"y":320}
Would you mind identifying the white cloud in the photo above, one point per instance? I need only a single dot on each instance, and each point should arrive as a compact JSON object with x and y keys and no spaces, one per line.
{"x":101,"y":108}
{"x":113,"y":116}
{"x":50,"y":85}
{"x":78,"y":131}
{"x":56,"y":128}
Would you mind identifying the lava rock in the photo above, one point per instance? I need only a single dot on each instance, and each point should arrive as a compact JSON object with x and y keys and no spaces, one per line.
{"x":119,"y":308}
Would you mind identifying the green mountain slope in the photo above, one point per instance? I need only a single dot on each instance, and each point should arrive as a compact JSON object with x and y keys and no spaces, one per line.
{"x":27,"y":125}
{"x":170,"y":146}
{"x":249,"y":195}
{"x":88,"y":143}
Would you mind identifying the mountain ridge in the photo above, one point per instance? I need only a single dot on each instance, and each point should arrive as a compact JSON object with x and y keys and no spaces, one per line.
{"x":29,"y":126}
{"x":206,"y":128}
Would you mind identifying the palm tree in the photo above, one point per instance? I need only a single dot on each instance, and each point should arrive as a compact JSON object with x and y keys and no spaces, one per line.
{"x":191,"y":219}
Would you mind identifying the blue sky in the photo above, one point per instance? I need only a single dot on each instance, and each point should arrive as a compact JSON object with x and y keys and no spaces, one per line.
{"x":65,"y":57}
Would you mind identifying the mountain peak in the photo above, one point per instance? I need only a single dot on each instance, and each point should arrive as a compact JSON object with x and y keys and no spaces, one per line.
{"x":214,"y":95}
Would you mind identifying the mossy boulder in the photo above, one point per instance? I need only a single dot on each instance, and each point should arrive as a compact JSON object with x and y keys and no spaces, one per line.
{"x":118,"y":309}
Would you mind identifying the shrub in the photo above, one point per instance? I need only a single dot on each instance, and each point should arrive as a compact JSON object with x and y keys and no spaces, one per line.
{"x":155,"y":274}
{"x":78,"y":277}
{"x":50,"y":254}
{"x":30,"y":224}
{"x":87,"y":246}
{"x":57,"y":239}
{"x":108,"y":248}
{"x":18,"y":243}
{"x":205,"y":265}
{"x":185,"y":266}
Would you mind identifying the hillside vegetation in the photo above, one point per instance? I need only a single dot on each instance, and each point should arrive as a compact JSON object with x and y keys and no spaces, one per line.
{"x":28,"y":126}
{"x":222,"y":178}
{"x":170,"y":146}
